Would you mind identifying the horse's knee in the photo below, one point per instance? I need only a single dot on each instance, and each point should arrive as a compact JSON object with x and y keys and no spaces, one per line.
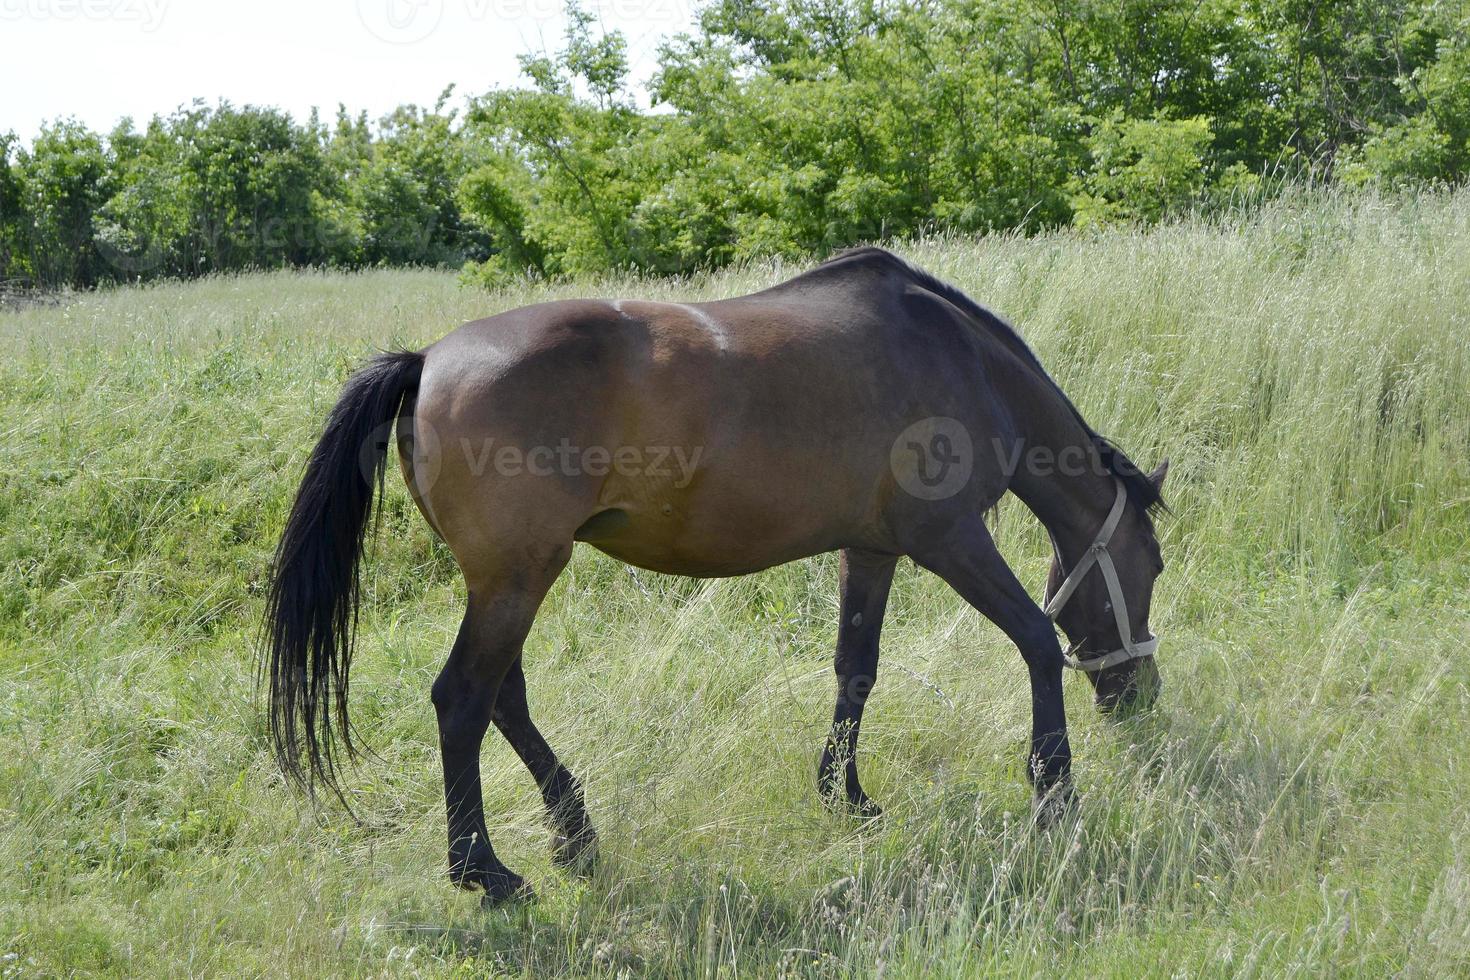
{"x":1037,"y":641}
{"x":442,"y":694}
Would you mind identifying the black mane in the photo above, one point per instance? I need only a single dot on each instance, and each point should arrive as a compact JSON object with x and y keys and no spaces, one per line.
{"x":1140,"y":489}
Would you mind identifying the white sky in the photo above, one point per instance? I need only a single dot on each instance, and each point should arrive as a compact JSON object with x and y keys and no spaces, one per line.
{"x":100,"y":60}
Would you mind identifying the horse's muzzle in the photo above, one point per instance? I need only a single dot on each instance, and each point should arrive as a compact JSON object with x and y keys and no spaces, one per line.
{"x":1131,"y":686}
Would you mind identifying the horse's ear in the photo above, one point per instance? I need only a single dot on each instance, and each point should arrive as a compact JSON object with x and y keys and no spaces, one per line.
{"x":1157,"y":476}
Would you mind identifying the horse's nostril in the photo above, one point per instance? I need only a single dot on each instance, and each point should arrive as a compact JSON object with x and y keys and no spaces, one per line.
{"x":1137,"y":691}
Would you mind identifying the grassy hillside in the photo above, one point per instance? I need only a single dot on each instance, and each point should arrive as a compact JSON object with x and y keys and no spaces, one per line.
{"x":1297,"y":802}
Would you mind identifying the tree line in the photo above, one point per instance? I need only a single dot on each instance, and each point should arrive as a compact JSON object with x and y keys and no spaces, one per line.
{"x":776,"y":126}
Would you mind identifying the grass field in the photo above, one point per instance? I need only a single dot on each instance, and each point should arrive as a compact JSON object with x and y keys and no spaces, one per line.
{"x":1297,"y":803}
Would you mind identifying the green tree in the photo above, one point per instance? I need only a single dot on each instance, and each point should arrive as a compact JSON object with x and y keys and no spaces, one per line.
{"x":406,"y":192}
{"x":1142,"y":169}
{"x":1431,"y":138}
{"x":64,"y":178}
{"x":571,"y":207}
{"x":12,"y":216}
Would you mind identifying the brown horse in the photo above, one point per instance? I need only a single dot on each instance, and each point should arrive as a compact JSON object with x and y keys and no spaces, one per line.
{"x":864,"y":407}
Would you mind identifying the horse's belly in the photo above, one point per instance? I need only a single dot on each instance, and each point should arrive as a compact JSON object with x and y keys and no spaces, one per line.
{"x":664,"y":539}
{"x":671,"y":563}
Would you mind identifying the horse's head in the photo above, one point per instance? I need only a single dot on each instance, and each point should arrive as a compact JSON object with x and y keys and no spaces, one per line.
{"x":1102,"y":602}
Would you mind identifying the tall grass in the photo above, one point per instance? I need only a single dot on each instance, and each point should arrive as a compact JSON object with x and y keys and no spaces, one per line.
{"x":1296,"y":804}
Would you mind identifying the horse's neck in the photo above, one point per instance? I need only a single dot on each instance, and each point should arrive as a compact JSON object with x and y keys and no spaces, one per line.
{"x":1070,"y":491}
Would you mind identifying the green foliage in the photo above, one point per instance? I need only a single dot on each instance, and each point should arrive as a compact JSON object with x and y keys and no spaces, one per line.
{"x":405,"y":195}
{"x":1142,"y":169}
{"x":1435,"y":143}
{"x":212,"y":190}
{"x":778,"y":127}
{"x":226,"y":188}
{"x":13,"y":231}
{"x":64,"y":178}
{"x":497,"y":194}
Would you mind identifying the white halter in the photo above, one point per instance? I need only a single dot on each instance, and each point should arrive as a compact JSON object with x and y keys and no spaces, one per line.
{"x":1098,"y":555}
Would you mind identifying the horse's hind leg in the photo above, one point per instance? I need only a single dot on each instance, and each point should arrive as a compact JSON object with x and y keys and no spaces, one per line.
{"x":500,"y":612}
{"x":864,"y":581}
{"x":576,"y":840}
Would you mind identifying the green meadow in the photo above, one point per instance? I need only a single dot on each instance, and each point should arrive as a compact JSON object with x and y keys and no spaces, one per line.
{"x":1297,"y":803}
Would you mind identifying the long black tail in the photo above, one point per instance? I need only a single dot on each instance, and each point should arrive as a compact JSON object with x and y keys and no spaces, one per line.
{"x":311,"y":611}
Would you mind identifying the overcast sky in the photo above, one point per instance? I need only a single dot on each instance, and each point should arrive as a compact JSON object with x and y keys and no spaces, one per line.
{"x":100,"y":60}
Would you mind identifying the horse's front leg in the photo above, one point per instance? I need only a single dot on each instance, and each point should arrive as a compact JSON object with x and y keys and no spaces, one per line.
{"x":965,"y":556}
{"x":864,"y":581}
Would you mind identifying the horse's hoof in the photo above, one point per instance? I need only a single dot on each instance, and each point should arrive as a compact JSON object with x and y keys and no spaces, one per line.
{"x":503,"y":887}
{"x":1054,"y":806}
{"x":467,"y":879}
{"x":480,"y":869}
{"x":862,"y":807}
{"x":576,"y":853}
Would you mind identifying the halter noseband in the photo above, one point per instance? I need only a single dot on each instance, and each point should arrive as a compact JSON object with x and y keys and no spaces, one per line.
{"x":1097,"y":554}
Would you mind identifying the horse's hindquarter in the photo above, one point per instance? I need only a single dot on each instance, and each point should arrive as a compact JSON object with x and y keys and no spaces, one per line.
{"x":706,"y":439}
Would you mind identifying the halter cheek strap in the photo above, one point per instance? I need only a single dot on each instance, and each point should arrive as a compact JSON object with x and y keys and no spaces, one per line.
{"x":1097,"y":554}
